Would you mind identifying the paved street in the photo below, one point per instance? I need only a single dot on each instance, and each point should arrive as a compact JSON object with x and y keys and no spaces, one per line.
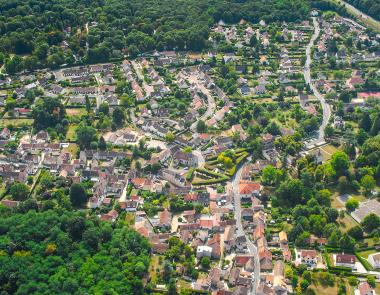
{"x":325,"y":106}
{"x":240,"y":231}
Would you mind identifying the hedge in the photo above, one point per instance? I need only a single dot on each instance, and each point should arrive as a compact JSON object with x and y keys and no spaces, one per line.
{"x":210,"y":181}
{"x":190,"y":174}
{"x":363,"y":261}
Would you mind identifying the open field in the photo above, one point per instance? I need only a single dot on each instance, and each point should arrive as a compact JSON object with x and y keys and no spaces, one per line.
{"x":366,"y":253}
{"x":72,"y":149}
{"x":347,"y":223}
{"x":71,"y":133}
{"x":76,"y":112}
{"x":16,"y":122}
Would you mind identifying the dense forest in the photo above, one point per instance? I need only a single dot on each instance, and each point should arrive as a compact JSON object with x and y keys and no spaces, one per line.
{"x":54,"y":252}
{"x":52,"y":33}
{"x":370,"y":7}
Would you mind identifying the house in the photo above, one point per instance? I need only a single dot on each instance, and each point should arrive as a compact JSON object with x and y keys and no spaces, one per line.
{"x":374,"y":260}
{"x":248,"y":189}
{"x":354,"y":81}
{"x":267,"y":140}
{"x":283,"y":237}
{"x":165,"y":219}
{"x":204,"y":251}
{"x":364,"y":289}
{"x":345,"y":260}
{"x":187,"y":159}
{"x":308,"y":257}
{"x":173,"y":177}
{"x":5,"y":134}
{"x":244,"y":89}
{"x":259,"y":89}
{"x":338,"y":122}
{"x":110,"y":216}
{"x":9,"y":203}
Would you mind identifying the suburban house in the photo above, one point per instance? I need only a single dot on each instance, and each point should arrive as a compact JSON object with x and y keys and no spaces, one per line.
{"x":308,"y":257}
{"x":345,"y":260}
{"x":248,"y":189}
{"x":374,"y":260}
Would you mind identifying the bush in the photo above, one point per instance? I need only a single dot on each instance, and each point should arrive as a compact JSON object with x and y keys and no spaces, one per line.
{"x":363,"y":261}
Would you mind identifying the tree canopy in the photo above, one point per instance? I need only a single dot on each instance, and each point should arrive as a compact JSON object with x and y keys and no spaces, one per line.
{"x":65,"y":253}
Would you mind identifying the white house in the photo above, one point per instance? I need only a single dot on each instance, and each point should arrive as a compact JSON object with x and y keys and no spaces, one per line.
{"x":203,"y":251}
{"x":374,"y":260}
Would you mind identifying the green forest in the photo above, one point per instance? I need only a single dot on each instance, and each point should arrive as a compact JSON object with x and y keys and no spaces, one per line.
{"x":52,"y":33}
{"x":370,"y":7}
{"x":55,"y":252}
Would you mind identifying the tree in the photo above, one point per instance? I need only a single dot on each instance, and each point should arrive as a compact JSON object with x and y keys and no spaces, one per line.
{"x":269,"y":175}
{"x":342,"y":184}
{"x":340,"y":162}
{"x":352,"y":204}
{"x":102,"y":144}
{"x":371,"y":280}
{"x":353,"y":281}
{"x":48,"y":112}
{"x":19,"y":191}
{"x":346,"y":242}
{"x":104,"y":108}
{"x":332,"y":214}
{"x":201,"y":126}
{"x":78,"y":195}
{"x":356,"y":232}
{"x":365,"y":123}
{"x":118,"y":116}
{"x":85,"y":135}
{"x":169,"y":137}
{"x":371,"y":222}
{"x":205,"y":262}
{"x":368,"y":183}
{"x":291,"y":191}
{"x":324,"y":197}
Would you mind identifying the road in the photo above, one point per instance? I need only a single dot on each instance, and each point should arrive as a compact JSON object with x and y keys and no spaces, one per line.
{"x":360,"y":15}
{"x":325,"y":106}
{"x":240,"y":231}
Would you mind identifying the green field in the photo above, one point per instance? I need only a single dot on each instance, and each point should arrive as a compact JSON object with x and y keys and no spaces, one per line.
{"x":16,"y":122}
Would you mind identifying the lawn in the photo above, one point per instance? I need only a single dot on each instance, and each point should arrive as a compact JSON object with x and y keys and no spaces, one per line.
{"x":71,"y":136}
{"x":73,"y":149}
{"x":16,"y":122}
{"x":347,"y":223}
{"x":130,"y":218}
{"x":76,"y":112}
{"x":155,"y":267}
{"x":365,"y":254}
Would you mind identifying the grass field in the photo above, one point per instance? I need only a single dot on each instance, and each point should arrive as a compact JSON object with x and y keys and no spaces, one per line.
{"x":15,"y":122}
{"x":71,"y":133}
{"x":347,"y":223}
{"x":365,"y":254}
{"x":72,"y":149}
{"x":76,"y":112}
{"x":154,"y":267}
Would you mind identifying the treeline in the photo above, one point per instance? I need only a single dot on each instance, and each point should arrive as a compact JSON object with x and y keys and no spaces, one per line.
{"x":55,"y":252}
{"x":326,"y":5}
{"x":97,"y":31}
{"x":370,"y":7}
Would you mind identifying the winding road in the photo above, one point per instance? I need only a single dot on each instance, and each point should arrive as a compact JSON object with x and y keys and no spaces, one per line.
{"x":325,"y":106}
{"x":240,"y":231}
